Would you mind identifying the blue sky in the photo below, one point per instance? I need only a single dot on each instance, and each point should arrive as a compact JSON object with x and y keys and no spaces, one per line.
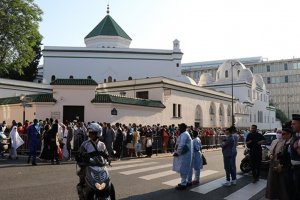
{"x":206,"y":29}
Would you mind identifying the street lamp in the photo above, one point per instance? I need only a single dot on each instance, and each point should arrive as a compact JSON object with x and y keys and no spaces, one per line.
{"x":232,"y":116}
{"x":288,"y":105}
{"x":25,"y":100}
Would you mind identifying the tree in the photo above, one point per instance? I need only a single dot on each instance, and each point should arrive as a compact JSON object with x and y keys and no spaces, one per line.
{"x":281,"y":116}
{"x":279,"y":113}
{"x":19,"y":35}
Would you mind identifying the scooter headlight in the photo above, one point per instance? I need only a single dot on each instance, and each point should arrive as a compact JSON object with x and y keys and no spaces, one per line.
{"x":100,"y":186}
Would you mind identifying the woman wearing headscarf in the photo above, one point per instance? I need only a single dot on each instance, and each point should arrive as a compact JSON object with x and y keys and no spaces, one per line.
{"x":15,"y":140}
{"x":275,"y":178}
{"x":285,"y":188}
{"x":54,"y":144}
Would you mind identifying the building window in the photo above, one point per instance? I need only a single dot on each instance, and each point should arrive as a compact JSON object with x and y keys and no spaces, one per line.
{"x":220,"y":111}
{"x":228,"y":111}
{"x":129,"y":78}
{"x":250,"y":117}
{"x":142,"y":95}
{"x":105,"y":80}
{"x":286,"y":79}
{"x":251,"y":69}
{"x":89,"y":77}
{"x":174,"y":110}
{"x":211,"y":110}
{"x":238,"y":73}
{"x":179,"y":110}
{"x":177,"y":64}
{"x":268,"y":80}
{"x":261,"y":97}
{"x":109,"y":79}
{"x":218,"y":75}
{"x":71,"y":77}
{"x":52,"y":78}
{"x":268,"y":68}
{"x":285,"y":66}
{"x":226,"y":74}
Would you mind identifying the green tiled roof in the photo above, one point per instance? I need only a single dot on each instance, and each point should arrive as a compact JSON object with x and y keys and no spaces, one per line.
{"x":72,"y":81}
{"x":108,"y":27}
{"x":108,"y":98}
{"x":47,"y":97}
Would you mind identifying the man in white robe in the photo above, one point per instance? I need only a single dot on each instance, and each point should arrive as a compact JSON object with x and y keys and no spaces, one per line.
{"x":183,"y":156}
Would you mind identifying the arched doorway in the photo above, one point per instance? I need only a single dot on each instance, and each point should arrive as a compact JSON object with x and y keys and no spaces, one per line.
{"x":198,"y":117}
{"x":212,"y":114}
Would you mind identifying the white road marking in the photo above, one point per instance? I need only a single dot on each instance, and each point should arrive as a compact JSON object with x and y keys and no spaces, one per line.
{"x":130,"y":166}
{"x":248,"y":191}
{"x":135,"y":171}
{"x":204,"y":173}
{"x":210,"y":186}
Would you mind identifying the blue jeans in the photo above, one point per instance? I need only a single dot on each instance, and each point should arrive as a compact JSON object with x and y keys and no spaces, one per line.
{"x":229,"y":167}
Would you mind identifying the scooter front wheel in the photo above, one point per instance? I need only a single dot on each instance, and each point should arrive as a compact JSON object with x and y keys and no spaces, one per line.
{"x":245,"y":166}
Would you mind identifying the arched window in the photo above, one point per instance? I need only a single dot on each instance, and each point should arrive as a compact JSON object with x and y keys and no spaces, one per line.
{"x":105,"y":80}
{"x":228,"y":111}
{"x":114,"y":80}
{"x":129,"y":78}
{"x":52,"y":78}
{"x":238,"y":73}
{"x":226,"y":74}
{"x":109,"y":79}
{"x":71,"y":76}
{"x":212,"y":109}
{"x":89,"y":77}
{"x":221,"y":111}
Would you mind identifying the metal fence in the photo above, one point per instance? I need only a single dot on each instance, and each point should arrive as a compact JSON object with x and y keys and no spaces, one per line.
{"x":208,"y":142}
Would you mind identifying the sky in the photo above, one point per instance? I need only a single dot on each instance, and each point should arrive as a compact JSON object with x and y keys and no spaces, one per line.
{"x":207,"y":29}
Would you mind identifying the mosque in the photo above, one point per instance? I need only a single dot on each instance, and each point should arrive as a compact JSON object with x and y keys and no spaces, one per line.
{"x":107,"y":81}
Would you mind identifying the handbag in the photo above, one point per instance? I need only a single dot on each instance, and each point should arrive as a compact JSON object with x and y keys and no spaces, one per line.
{"x":204,"y":162}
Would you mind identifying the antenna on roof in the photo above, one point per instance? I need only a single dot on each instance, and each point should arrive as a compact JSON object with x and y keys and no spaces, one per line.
{"x":107,"y":8}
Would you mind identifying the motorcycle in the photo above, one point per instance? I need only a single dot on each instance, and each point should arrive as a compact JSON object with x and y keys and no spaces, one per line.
{"x":98,"y":185}
{"x":245,"y":165}
{"x":4,"y":144}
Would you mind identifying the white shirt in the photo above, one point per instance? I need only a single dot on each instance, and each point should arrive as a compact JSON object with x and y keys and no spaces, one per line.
{"x":89,"y":147}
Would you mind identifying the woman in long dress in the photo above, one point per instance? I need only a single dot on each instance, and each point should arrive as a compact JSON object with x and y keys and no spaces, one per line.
{"x":46,"y":137}
{"x":275,"y":174}
{"x":16,"y":141}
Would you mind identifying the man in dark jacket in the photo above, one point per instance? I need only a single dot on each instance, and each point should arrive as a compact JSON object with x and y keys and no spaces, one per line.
{"x":254,"y":141}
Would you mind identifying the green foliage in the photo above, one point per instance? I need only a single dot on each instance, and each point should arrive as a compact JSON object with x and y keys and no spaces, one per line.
{"x":29,"y":72}
{"x":19,"y":35}
{"x":281,"y":116}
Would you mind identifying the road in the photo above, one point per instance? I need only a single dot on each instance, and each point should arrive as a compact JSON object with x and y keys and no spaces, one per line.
{"x":134,"y":179}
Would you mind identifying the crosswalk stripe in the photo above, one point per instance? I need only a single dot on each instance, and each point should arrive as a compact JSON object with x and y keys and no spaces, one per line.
{"x":125,"y":162}
{"x":158,"y":175}
{"x":204,"y":173}
{"x":248,"y":191}
{"x":210,"y":186}
{"x":130,"y":166}
{"x":135,"y":171}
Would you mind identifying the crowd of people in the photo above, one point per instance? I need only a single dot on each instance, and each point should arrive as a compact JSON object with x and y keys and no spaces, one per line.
{"x":57,"y":141}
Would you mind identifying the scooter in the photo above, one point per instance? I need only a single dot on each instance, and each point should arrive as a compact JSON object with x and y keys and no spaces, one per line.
{"x":245,"y":165}
{"x":98,"y":185}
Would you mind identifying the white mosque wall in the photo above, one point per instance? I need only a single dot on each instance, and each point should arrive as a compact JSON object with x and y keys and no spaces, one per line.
{"x":118,"y":64}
